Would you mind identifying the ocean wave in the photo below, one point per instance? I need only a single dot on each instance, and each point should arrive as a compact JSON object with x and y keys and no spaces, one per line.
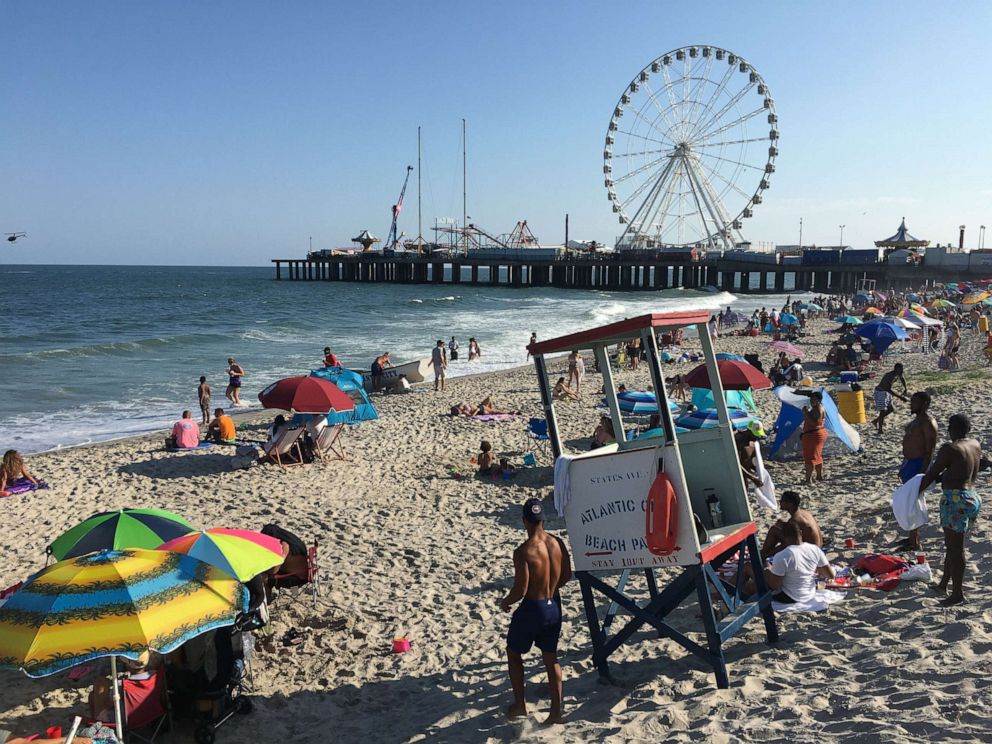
{"x":112,"y":348}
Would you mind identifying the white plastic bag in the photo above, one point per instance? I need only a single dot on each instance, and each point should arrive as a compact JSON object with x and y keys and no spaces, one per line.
{"x":909,"y":506}
{"x":917,"y":572}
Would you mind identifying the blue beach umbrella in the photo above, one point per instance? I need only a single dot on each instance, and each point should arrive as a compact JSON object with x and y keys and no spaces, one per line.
{"x":707,"y":419}
{"x":881,"y":333}
{"x":642,"y":401}
{"x":788,"y":319}
{"x":847,"y":320}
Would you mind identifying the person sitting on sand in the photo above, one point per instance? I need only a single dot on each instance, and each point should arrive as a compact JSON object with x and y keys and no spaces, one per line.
{"x":222,"y":429}
{"x":506,"y":469}
{"x":12,"y":468}
{"x":486,"y":408}
{"x":603,"y":434}
{"x":185,"y":432}
{"x":486,"y":458}
{"x":791,"y":501}
{"x":330,"y":359}
{"x":834,"y":356}
{"x":541,"y":566}
{"x":956,"y":467}
{"x":101,"y":698}
{"x":794,"y":568}
{"x":562,"y":391}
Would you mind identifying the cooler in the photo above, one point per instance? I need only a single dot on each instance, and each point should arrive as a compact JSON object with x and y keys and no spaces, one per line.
{"x":852,"y":406}
{"x":848,"y":376}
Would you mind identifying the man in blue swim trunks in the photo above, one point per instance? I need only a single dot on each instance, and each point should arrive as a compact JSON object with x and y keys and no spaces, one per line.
{"x":956,"y":466}
{"x":540,"y":567}
{"x":918,"y":443}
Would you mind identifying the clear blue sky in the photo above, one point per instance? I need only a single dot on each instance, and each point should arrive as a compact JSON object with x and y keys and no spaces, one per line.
{"x":229,"y":132}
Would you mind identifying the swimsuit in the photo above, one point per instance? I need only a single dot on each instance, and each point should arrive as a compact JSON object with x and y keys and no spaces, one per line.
{"x":535,"y":621}
{"x":234,"y":380}
{"x":959,"y":508}
{"x":911,"y":468}
{"x":883,"y":400}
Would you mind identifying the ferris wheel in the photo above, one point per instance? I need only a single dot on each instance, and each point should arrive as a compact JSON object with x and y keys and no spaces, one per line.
{"x":690,"y":148}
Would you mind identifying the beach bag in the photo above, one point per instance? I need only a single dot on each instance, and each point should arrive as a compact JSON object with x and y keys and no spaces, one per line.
{"x":661,"y":517}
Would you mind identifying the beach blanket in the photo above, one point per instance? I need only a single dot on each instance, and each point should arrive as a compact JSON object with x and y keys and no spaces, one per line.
{"x":494,"y":417}
{"x":22,"y":485}
{"x":819,"y":601}
{"x":201,"y":445}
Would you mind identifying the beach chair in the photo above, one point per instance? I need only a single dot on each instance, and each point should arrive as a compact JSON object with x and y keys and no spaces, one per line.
{"x":536,"y":435}
{"x":286,"y":441}
{"x":146,"y":707}
{"x":294,"y":581}
{"x":327,"y":445}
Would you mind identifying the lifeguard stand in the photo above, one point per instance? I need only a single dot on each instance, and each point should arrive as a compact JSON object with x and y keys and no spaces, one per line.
{"x":607,"y":501}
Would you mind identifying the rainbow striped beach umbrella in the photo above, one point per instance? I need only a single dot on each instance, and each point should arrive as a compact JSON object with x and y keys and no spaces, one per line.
{"x":114,"y":603}
{"x":941,"y":303}
{"x":242,"y":553}
{"x":908,"y":314}
{"x":124,"y":528}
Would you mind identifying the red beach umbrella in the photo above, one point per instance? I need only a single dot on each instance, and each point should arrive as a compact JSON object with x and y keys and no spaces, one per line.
{"x":306,"y":395}
{"x":734,"y":376}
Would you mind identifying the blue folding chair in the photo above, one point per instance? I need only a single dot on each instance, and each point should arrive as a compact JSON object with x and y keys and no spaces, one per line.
{"x":537,"y":436}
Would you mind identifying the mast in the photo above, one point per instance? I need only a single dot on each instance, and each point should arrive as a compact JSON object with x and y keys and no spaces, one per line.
{"x":420,"y":226}
{"x":464,"y":190}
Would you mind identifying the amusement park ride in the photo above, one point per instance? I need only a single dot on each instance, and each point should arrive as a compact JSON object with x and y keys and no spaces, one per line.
{"x":648,"y":506}
{"x":690,"y":147}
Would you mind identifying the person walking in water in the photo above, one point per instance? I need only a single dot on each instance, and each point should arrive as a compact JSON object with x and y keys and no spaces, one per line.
{"x":440,"y":363}
{"x":541,"y":566}
{"x":203,"y":393}
{"x":533,"y":340}
{"x":234,"y":374}
{"x":453,"y":349}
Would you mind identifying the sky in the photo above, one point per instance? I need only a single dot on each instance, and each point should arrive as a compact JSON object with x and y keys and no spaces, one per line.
{"x":229,"y":133}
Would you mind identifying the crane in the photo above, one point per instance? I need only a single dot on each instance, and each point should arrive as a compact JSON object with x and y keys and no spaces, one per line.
{"x":391,"y":239}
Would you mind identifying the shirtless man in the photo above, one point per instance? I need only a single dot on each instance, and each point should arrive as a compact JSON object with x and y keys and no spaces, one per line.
{"x":540,"y":567}
{"x":884,"y":393}
{"x":775,"y":540}
{"x":956,"y":466}
{"x":918,"y":444}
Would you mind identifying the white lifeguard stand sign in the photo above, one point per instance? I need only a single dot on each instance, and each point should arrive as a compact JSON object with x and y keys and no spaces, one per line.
{"x":610,"y":517}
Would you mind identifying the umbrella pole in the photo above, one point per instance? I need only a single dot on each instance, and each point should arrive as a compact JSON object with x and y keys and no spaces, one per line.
{"x":117,"y":699}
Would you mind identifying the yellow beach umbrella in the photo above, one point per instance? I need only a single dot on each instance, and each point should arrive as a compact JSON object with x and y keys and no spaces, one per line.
{"x":114,"y":603}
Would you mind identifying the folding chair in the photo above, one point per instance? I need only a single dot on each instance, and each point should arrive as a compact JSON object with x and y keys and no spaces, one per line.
{"x":286,"y":441}
{"x":300,"y":576}
{"x":536,"y":434}
{"x":146,"y":708}
{"x":327,"y":445}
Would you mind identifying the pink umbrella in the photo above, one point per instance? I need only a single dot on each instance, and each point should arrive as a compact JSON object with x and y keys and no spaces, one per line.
{"x":790,"y":349}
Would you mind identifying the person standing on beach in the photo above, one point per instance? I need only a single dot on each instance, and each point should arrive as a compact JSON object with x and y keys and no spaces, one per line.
{"x":533,"y":340}
{"x":956,"y":466}
{"x":440,"y":364}
{"x":884,"y":394}
{"x":918,"y":444}
{"x":576,"y":370}
{"x":814,"y":436}
{"x":203,"y":394}
{"x":541,"y":566}
{"x":234,"y":374}
{"x":378,"y":365}
{"x":330,"y":360}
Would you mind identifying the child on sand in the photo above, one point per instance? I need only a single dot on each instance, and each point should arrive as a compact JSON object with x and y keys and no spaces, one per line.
{"x":486,"y":458}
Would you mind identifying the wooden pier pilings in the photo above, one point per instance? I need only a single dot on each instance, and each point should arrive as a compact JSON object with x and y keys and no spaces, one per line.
{"x":615,"y":272}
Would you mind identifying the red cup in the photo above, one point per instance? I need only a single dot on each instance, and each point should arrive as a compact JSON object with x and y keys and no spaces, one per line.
{"x":921,"y":557}
{"x":400,"y":645}
{"x":849,"y":542}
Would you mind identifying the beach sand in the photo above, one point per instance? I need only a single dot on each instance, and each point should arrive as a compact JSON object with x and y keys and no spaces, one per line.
{"x":411,"y":548}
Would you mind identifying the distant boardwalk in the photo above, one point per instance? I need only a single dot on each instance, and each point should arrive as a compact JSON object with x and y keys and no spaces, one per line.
{"x":630,"y":270}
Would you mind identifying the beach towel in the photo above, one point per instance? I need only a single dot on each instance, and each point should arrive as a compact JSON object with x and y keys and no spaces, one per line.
{"x":818,"y":602}
{"x":562,"y":483}
{"x":22,"y":485}
{"x":909,"y":506}
{"x":201,"y":445}
{"x":494,"y":417}
{"x":765,"y":493}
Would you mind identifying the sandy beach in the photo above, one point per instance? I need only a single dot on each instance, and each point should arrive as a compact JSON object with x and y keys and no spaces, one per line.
{"x":412,"y":545}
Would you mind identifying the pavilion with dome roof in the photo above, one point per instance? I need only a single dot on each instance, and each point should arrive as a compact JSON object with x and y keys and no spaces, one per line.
{"x":902,"y":239}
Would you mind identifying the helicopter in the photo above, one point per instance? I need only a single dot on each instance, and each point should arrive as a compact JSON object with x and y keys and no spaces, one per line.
{"x":12,"y":237}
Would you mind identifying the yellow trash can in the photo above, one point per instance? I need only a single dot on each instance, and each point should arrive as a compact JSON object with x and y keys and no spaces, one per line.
{"x":851,"y":405}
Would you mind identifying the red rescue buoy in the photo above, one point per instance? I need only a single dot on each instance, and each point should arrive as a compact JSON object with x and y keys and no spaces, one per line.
{"x":661,"y":517}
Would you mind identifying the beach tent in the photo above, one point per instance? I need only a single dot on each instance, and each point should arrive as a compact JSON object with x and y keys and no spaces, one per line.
{"x":352,"y":384}
{"x":743,"y":400}
{"x":840,"y":434}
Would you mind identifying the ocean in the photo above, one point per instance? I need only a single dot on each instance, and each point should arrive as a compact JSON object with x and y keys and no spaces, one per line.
{"x":93,"y":353}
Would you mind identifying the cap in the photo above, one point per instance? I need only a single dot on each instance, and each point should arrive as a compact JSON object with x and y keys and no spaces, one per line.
{"x":533,"y":511}
{"x":756,"y":428}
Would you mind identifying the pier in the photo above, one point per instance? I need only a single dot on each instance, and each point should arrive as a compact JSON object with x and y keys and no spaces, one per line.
{"x":624,"y":271}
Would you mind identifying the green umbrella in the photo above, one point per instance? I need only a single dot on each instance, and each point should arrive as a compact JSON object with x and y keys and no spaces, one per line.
{"x":114,"y":530}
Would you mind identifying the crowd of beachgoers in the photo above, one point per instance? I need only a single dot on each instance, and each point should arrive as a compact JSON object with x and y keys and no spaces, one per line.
{"x":418,"y":525}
